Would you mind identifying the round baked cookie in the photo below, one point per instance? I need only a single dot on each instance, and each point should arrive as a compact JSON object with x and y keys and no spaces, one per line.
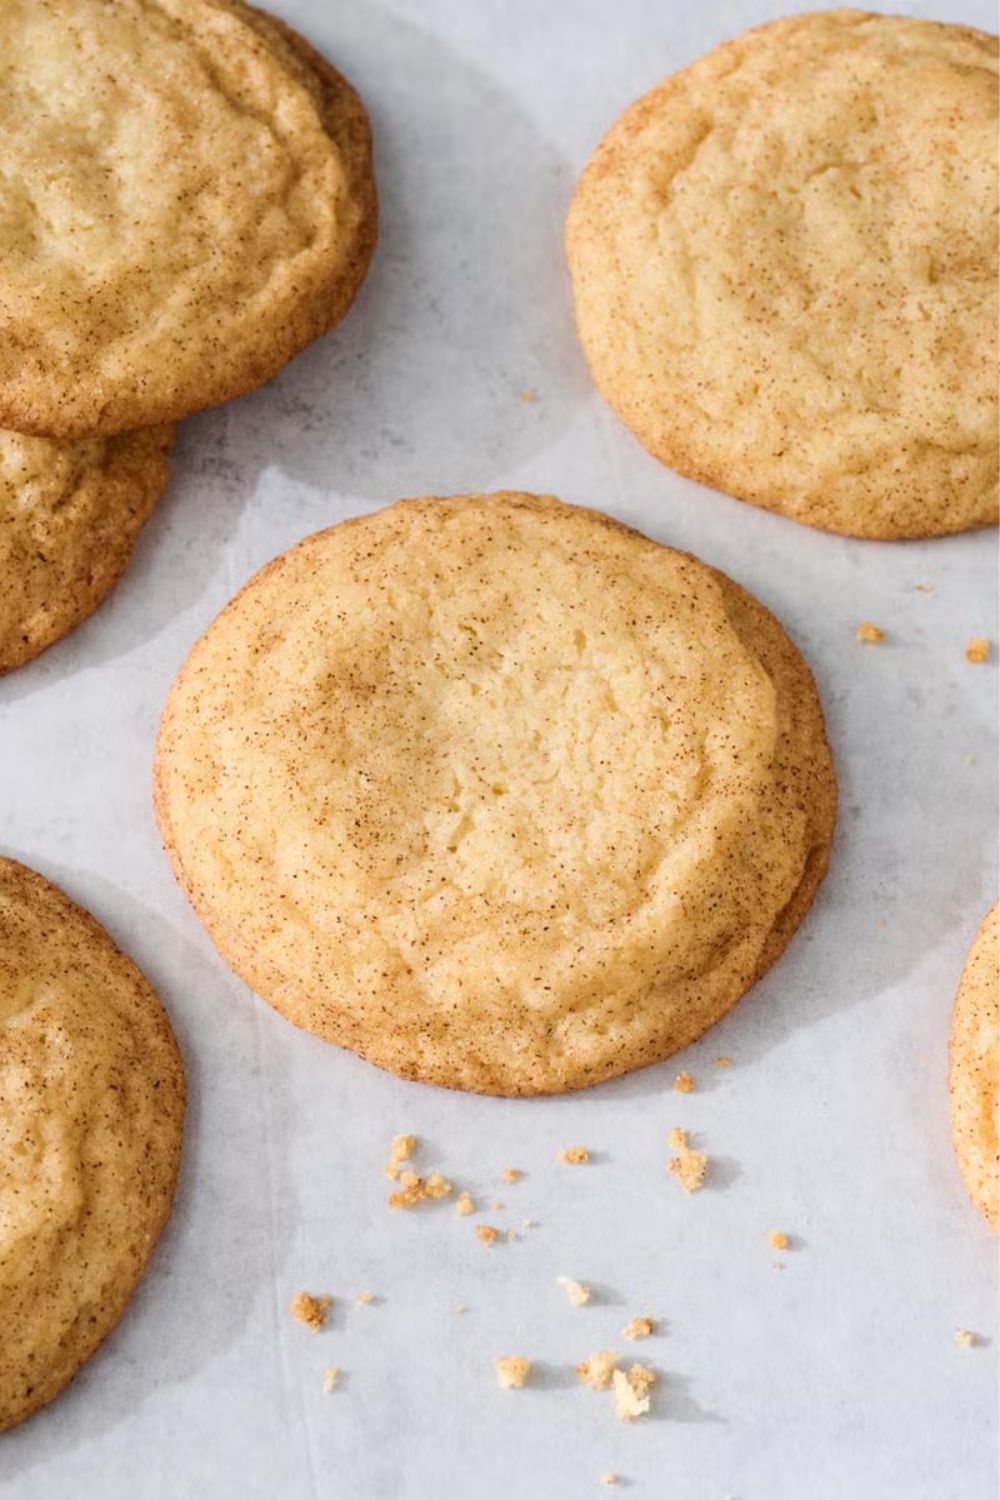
{"x":495,"y":791}
{"x":785,"y":272}
{"x":70,"y":514}
{"x":91,"y":1108}
{"x":192,"y":205}
{"x":974,"y":1074}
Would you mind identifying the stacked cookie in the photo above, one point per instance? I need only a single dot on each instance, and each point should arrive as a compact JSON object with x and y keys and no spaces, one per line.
{"x":190,"y":204}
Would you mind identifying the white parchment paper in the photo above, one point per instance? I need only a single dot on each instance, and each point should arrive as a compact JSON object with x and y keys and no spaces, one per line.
{"x":834,"y":1377}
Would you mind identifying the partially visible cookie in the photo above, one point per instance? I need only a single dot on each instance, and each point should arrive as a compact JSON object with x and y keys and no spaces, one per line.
{"x":784,"y":260}
{"x":91,"y":1110}
{"x":495,"y":791}
{"x":974,"y":1075}
{"x":192,"y":205}
{"x":70,"y":514}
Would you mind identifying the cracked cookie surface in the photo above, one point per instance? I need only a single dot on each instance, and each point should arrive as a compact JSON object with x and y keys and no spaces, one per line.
{"x":495,"y":791}
{"x":70,"y":514}
{"x":188,"y":201}
{"x":784,"y":266}
{"x":91,"y":1110}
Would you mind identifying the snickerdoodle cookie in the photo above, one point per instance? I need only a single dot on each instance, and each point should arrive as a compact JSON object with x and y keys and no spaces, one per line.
{"x":91,"y":1106}
{"x":188,"y":200}
{"x":785,"y":271}
{"x":495,"y":791}
{"x":70,"y":514}
{"x":974,"y":1075}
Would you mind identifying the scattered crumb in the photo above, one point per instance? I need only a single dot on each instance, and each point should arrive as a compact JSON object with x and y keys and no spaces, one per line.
{"x":512,"y":1174}
{"x":978,"y":649}
{"x":965,"y":1338}
{"x":689,"y":1167}
{"x":870,"y":633}
{"x":512,"y":1371}
{"x":401,"y":1148}
{"x":577,"y":1291}
{"x":683,"y":1083}
{"x":638,"y":1328}
{"x":330,"y":1377}
{"x":777,"y":1265}
{"x":880,"y":921}
{"x":416,"y":1189}
{"x":529,"y":396}
{"x":497,"y":1206}
{"x":487,"y":1233}
{"x":512,"y":1235}
{"x":464,"y":1204}
{"x":609,"y":1478}
{"x":365,"y":1297}
{"x":574,"y":1155}
{"x":528,"y":1223}
{"x":723,"y":1061}
{"x":632,"y":1391}
{"x":310,"y":1310}
{"x":460,"y":1307}
{"x":778,"y":1239}
{"x":598,"y":1369}
{"x":923,"y":588}
{"x":410,"y":1194}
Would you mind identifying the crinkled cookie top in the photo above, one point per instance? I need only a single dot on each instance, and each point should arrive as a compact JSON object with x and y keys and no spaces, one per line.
{"x":496,"y":791}
{"x":785,"y":270}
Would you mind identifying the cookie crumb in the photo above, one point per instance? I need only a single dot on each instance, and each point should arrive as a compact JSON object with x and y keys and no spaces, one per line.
{"x":723,"y":1061}
{"x":597,"y":1370}
{"x":310,"y":1310}
{"x":777,"y":1239}
{"x":576,"y":1291}
{"x":365,"y":1298}
{"x":632,"y":1391}
{"x":528,"y":1223}
{"x":978,"y":649}
{"x":870,"y":633}
{"x":464,"y":1204}
{"x":609,"y":1478}
{"x":410,"y":1194}
{"x":512,"y":1235}
{"x":416,"y":1189}
{"x":528,"y":396}
{"x":497,"y":1206}
{"x":487,"y":1233}
{"x":460,"y":1307}
{"x":512,"y":1371}
{"x":965,"y":1338}
{"x":923,"y":588}
{"x":683,"y":1083}
{"x":401,"y":1148}
{"x":330,"y":1377}
{"x":512,"y":1174}
{"x":689,"y":1167}
{"x":575,"y":1156}
{"x":638,"y":1328}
